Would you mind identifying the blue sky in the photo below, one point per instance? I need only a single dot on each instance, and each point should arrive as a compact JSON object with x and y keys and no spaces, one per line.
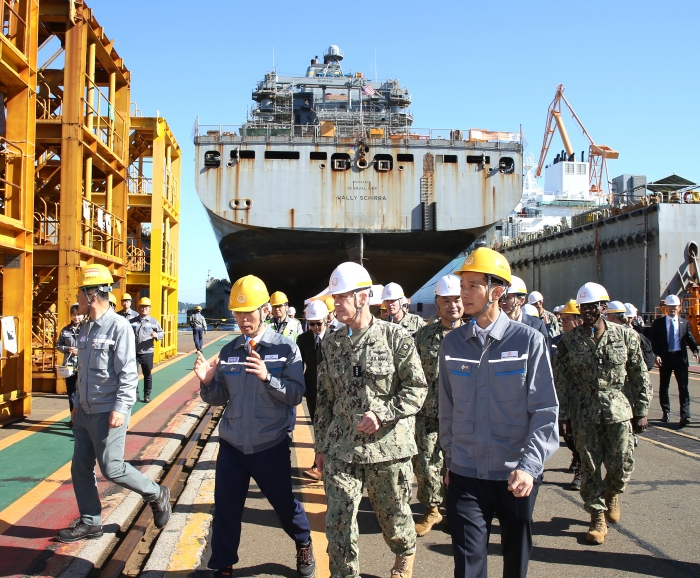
{"x":629,"y":68}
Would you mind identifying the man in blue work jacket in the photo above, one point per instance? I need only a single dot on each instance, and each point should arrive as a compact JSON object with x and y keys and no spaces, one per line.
{"x":259,"y":377}
{"x":498,"y":421}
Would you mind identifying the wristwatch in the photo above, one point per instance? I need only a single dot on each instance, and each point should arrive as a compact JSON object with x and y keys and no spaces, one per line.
{"x":267,"y":379}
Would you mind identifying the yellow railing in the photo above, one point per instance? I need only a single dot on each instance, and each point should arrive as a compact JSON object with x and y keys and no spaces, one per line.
{"x":169,"y":259}
{"x":44,"y":340}
{"x":169,"y":342}
{"x":171,"y":188}
{"x":136,"y":259}
{"x":14,"y":28}
{"x":139,"y":185}
{"x":46,"y":223}
{"x":103,"y":120}
{"x":102,"y":230}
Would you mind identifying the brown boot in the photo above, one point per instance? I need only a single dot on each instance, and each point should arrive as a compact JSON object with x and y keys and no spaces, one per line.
{"x":403,"y":566}
{"x":431,"y":517}
{"x":612,"y":501}
{"x":598,"y":530}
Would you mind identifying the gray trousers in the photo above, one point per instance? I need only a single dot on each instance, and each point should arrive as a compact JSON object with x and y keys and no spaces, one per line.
{"x":94,"y":440}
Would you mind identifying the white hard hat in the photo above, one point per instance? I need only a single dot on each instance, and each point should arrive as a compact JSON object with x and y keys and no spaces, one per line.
{"x":292,"y":311}
{"x":448,"y":286}
{"x":517,"y":286}
{"x":534,"y":297}
{"x":376,"y":298}
{"x":592,"y":293}
{"x":349,"y":276}
{"x":557,"y":309}
{"x":530,"y":310}
{"x":315,"y":311}
{"x":615,"y":307}
{"x":392,"y":291}
{"x":672,"y":300}
{"x":630,"y":311}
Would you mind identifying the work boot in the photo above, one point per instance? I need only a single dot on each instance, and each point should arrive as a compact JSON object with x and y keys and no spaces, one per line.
{"x":576,"y":482}
{"x":665,"y":417}
{"x":161,"y":507}
{"x":598,"y":530}
{"x":684,"y":422}
{"x":431,"y":517}
{"x":612,"y":501}
{"x":574,"y":465}
{"x":403,"y":566}
{"x":146,"y":398}
{"x":306,"y":563}
{"x":79,"y":530}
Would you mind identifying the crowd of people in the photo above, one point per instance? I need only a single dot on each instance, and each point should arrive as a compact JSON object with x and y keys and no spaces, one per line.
{"x":471,"y":402}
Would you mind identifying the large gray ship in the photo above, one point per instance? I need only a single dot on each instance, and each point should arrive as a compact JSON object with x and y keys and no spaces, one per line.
{"x":328,"y":167}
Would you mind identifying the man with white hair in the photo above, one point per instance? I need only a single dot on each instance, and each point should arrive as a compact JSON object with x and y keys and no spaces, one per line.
{"x":370,"y":386}
{"x":395,"y":301}
{"x":550,"y":320}
{"x":670,"y":339}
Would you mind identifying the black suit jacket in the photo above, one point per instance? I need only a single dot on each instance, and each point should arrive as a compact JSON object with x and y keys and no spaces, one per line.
{"x":307,"y":346}
{"x":659,"y":338}
{"x":538,"y":325}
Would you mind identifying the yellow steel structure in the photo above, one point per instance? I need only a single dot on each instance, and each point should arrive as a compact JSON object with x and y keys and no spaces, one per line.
{"x":72,"y":160}
{"x":153,"y":223}
{"x":18,"y":70}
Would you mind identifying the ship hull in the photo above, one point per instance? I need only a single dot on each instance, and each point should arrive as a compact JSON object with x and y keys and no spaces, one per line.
{"x":299,"y":262}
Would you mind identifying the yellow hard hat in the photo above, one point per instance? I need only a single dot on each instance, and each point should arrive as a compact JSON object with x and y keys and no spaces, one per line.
{"x":95,"y":276}
{"x":198,"y":308}
{"x":144,"y":301}
{"x":571,"y":308}
{"x":383,"y":306}
{"x":487,"y":261}
{"x":248,"y":294}
{"x":330,"y":303}
{"x":112,"y":298}
{"x":126,"y":297}
{"x":278,"y":298}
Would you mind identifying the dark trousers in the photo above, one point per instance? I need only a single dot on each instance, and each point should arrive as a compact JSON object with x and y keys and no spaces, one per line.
{"x":471,"y":507}
{"x":145,"y":360}
{"x":673,"y":363}
{"x":272,"y":471}
{"x":569,"y":441}
{"x":198,"y":336}
{"x":70,"y":386}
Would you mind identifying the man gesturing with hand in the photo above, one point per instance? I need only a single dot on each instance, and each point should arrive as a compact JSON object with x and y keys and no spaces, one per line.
{"x":498,"y":421}
{"x":259,"y":377}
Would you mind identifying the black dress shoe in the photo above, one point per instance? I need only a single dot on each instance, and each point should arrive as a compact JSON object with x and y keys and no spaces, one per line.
{"x":147,"y":398}
{"x":684,"y":422}
{"x":161,"y":508}
{"x":665,"y":418}
{"x":79,"y":530}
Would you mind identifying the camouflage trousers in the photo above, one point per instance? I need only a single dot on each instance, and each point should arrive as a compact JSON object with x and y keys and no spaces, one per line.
{"x":389,"y":489}
{"x":599,"y":444}
{"x":428,"y":462}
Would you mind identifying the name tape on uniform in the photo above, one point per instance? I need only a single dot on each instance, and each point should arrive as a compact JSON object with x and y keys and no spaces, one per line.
{"x":507,"y":354}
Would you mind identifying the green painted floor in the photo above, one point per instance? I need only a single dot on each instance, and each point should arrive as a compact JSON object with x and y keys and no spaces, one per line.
{"x":26,"y":463}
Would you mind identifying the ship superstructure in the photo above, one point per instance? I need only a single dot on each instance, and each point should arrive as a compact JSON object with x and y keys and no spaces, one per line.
{"x":329,"y":166}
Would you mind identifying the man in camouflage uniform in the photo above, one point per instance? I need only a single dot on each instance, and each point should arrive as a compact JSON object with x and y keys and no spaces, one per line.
{"x":370,"y":385}
{"x":550,"y":320}
{"x":428,"y":462}
{"x":396,"y":306}
{"x":590,"y":368}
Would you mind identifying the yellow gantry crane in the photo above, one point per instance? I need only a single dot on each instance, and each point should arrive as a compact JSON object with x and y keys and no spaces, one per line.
{"x":597,"y":154}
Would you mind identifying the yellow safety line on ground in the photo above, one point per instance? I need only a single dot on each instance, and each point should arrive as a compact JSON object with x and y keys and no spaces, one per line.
{"x":668,"y":447}
{"x":312,"y":493}
{"x":187,"y":552}
{"x":49,"y":421}
{"x":685,"y":435}
{"x":25,"y":504}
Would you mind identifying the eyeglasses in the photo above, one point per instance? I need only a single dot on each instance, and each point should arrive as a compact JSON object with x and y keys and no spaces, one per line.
{"x":588,"y":306}
{"x":315,"y":323}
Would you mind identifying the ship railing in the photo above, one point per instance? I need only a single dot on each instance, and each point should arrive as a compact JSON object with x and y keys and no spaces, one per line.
{"x":136,"y":258}
{"x":169,"y":261}
{"x":46,"y":222}
{"x":139,"y":185}
{"x":169,"y":324}
{"x":102,"y":119}
{"x":14,"y":28}
{"x":102,"y":230}
{"x":338,"y":133}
